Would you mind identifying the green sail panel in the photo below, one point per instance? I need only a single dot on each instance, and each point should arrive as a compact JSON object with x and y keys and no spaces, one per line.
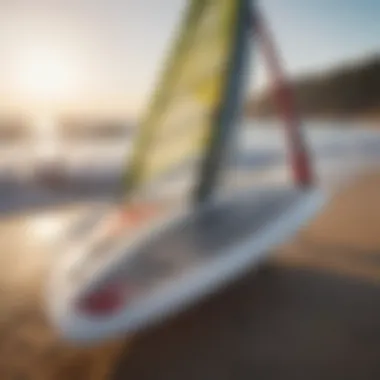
{"x":181,"y":119}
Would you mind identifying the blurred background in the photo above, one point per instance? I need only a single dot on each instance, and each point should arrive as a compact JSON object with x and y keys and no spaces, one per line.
{"x":75,"y":79}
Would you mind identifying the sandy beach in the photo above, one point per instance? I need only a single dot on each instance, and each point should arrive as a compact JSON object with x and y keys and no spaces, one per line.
{"x":311,"y":312}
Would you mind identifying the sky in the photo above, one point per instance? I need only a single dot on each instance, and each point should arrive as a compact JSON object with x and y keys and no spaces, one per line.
{"x":103,"y":56}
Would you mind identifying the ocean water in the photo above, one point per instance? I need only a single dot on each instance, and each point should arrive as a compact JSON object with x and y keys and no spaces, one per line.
{"x":261,"y":148}
{"x":260,"y":138}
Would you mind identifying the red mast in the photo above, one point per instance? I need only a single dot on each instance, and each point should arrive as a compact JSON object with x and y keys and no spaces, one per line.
{"x":299,"y":156}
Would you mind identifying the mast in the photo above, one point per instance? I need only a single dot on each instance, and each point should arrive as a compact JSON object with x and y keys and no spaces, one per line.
{"x":299,"y":155}
{"x":231,"y":105}
{"x":195,"y":104}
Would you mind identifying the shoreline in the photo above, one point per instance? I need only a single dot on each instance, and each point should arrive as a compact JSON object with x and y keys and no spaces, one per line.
{"x":324,"y":120}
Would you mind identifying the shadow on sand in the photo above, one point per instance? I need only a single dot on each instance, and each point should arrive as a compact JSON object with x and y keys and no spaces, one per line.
{"x":278,"y":323}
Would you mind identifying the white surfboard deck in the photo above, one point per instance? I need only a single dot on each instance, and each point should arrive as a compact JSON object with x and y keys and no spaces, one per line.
{"x":169,"y":267}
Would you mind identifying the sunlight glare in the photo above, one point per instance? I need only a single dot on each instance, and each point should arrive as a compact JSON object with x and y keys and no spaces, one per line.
{"x":46,"y":143}
{"x":46,"y":227}
{"x":45,"y":74}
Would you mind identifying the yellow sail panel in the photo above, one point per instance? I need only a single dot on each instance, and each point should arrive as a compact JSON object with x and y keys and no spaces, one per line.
{"x":192,"y":108}
{"x":184,"y":145}
{"x":190,"y":92}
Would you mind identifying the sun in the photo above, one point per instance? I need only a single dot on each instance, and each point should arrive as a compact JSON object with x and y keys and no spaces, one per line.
{"x":46,"y":74}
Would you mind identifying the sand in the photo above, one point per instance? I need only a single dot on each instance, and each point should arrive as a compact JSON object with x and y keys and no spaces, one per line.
{"x":311,"y":312}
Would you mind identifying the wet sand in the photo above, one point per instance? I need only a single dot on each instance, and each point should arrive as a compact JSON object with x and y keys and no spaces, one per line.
{"x":312,"y":312}
{"x":29,"y":348}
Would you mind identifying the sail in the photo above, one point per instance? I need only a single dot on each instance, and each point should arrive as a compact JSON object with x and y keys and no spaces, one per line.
{"x":128,"y":283}
{"x":193,"y":101}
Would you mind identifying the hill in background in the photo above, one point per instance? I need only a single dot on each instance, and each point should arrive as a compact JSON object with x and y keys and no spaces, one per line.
{"x":352,"y":90}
